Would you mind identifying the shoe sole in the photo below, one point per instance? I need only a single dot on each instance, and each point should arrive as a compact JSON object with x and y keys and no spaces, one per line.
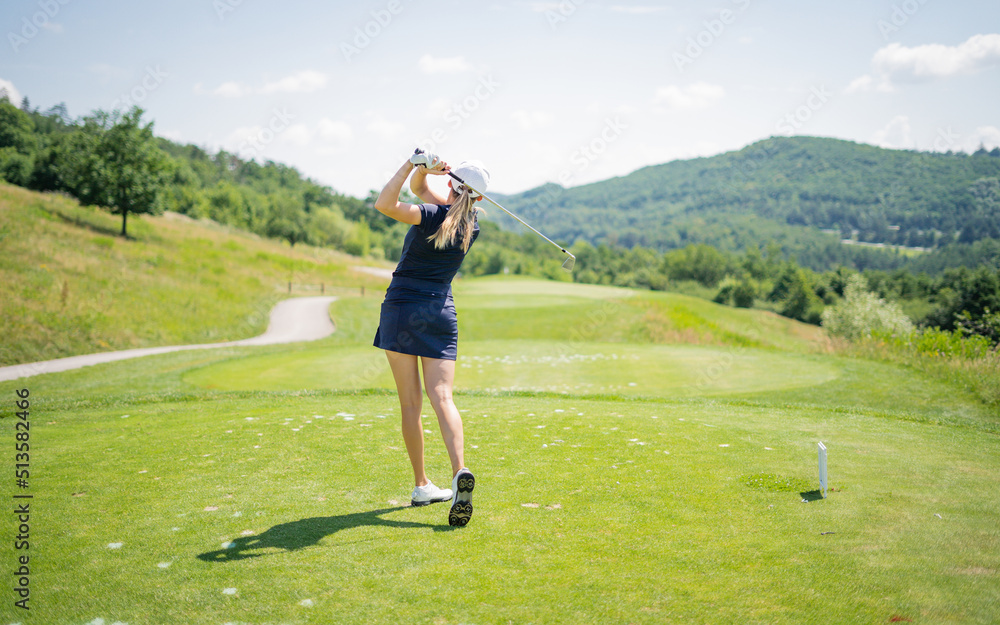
{"x":461,"y":508}
{"x":416,"y":504}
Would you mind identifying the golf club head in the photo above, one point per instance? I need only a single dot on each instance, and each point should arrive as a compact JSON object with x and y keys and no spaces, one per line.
{"x":569,"y":262}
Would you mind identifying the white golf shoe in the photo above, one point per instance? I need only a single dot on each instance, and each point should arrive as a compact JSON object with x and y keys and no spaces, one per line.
{"x":428,"y":494}
{"x":461,"y":505}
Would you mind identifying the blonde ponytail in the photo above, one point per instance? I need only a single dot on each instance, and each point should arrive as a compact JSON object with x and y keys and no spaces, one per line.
{"x":461,"y":219}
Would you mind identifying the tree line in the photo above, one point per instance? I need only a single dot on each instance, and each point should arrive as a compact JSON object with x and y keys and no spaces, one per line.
{"x":113,"y":160}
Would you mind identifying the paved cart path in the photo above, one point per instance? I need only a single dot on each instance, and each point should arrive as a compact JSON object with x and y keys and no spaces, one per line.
{"x":376,"y":271}
{"x":292,"y":320}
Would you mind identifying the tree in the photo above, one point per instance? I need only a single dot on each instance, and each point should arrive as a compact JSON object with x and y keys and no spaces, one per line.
{"x":739,"y":292}
{"x":286,"y":219}
{"x":18,"y":144}
{"x":701,"y":263}
{"x":967,"y":294}
{"x":117,"y":164}
{"x":800,"y":301}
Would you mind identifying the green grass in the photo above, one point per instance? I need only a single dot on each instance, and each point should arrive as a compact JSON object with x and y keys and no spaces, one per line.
{"x":626,"y":370}
{"x":69,"y":285}
{"x":587,"y":511}
{"x":280,"y":472}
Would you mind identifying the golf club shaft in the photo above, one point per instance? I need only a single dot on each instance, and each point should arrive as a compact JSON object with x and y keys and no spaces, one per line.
{"x":495,"y":203}
{"x":526,"y":224}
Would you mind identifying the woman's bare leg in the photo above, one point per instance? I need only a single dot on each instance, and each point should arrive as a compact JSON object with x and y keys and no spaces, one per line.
{"x":439,"y":378}
{"x":407,"y":375}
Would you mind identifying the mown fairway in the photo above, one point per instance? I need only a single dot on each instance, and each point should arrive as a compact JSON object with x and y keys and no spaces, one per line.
{"x":641,"y":458}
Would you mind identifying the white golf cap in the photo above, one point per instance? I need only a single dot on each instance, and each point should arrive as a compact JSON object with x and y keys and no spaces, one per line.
{"x":475,"y":174}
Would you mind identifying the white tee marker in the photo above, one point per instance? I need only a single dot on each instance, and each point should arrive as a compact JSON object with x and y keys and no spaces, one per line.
{"x":822,"y":469}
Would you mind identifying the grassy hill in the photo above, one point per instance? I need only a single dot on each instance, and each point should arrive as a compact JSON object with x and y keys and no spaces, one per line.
{"x":71,"y":286}
{"x":806,"y":193}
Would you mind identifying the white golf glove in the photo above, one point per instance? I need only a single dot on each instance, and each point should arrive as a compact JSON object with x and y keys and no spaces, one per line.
{"x":425,"y":159}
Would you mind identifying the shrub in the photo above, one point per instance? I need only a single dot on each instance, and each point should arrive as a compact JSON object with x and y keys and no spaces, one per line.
{"x":863,"y":314}
{"x":987,"y":326}
{"x":740,"y":292}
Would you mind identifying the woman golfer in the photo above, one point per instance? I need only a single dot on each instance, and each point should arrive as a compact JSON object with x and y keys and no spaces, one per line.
{"x":418,"y":328}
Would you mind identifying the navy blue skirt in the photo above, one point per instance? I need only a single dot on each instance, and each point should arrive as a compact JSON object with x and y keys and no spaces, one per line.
{"x":418,"y":317}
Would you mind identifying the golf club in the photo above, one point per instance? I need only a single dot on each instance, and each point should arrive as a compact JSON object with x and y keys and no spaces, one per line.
{"x":570,"y":259}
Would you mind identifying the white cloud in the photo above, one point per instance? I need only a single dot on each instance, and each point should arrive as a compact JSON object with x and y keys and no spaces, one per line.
{"x":12,"y":92}
{"x":239,"y":140}
{"x":862,"y":83}
{"x":938,"y":61}
{"x":231,"y":90}
{"x":531,"y":120}
{"x":897,"y":63}
{"x":896,"y":134}
{"x":695,"y":96}
{"x":53,"y":27}
{"x":335,"y":132}
{"x":448,"y":65}
{"x":868,"y":83}
{"x":305,"y":81}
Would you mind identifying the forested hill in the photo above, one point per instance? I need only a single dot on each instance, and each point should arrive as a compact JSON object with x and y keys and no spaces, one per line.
{"x":798,"y":196}
{"x":787,"y":190}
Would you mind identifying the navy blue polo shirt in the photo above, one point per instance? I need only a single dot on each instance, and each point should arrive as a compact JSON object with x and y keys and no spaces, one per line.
{"x":420,"y":259}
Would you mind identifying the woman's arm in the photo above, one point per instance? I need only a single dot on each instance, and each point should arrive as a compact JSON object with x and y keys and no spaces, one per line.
{"x":419,"y":187}
{"x":388,"y":200}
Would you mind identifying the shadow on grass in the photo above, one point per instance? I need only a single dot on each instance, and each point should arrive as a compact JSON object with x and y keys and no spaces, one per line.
{"x":812,"y":495}
{"x":307,"y":532}
{"x":97,"y":228}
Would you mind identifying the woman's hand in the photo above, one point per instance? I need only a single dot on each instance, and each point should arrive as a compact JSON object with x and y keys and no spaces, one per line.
{"x":439,"y":168}
{"x":418,"y":183}
{"x":428,"y":163}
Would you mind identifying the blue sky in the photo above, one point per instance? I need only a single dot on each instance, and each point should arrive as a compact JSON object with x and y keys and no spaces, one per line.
{"x":572,"y":91}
